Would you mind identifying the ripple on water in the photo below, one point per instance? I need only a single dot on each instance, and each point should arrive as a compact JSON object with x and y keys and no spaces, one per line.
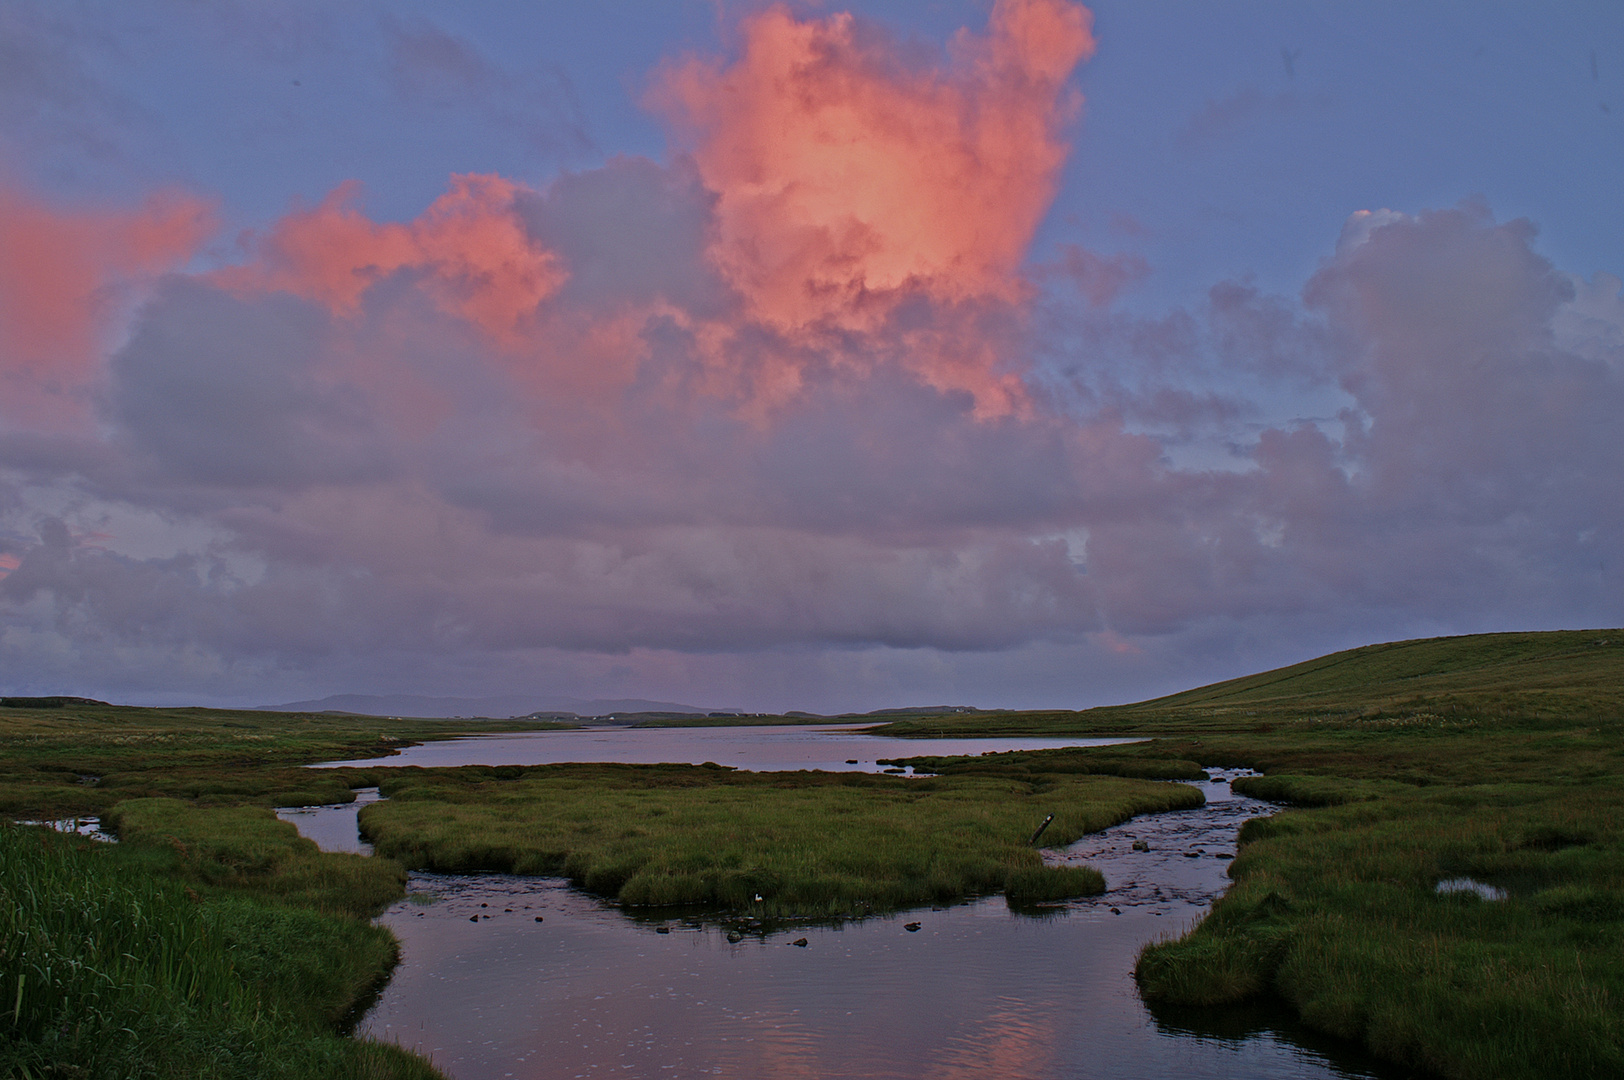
{"x":1178,"y":858}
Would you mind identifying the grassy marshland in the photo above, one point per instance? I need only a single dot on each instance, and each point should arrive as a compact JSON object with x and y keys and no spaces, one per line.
{"x":110,"y":970}
{"x":1336,"y":910}
{"x":212,"y":941}
{"x":1498,"y":758}
{"x":806,"y":843}
{"x":81,"y":759}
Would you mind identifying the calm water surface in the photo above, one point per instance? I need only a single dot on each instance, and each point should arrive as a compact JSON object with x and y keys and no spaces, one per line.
{"x":333,"y":828}
{"x":526,"y":977}
{"x":833,"y":748}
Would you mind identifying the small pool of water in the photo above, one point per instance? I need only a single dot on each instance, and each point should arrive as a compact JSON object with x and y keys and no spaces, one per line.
{"x":79,"y":826}
{"x":832,"y":748}
{"x":1467,"y":885}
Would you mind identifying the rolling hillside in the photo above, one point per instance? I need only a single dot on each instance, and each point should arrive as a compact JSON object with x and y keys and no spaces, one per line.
{"x":1561,"y":676}
{"x":1561,"y":661}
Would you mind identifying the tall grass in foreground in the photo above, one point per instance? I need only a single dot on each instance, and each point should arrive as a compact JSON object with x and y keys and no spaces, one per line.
{"x":804,"y":844}
{"x":105,"y":972}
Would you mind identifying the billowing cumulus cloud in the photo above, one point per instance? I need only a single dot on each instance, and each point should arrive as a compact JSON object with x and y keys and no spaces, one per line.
{"x":789,"y":419}
{"x":469,"y":248}
{"x":851,"y":183}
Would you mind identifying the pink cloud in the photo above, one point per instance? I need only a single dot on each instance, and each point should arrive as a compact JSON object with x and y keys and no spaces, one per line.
{"x":63,"y":285}
{"x":848,"y":180}
{"x":469,"y":245}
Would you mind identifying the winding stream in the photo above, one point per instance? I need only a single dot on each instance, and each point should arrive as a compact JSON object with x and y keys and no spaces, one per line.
{"x":525,"y":977}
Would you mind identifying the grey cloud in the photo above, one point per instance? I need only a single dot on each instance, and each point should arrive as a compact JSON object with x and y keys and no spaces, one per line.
{"x":1592,"y":325}
{"x":427,"y":62}
{"x":631,"y":231}
{"x":1100,"y":278}
{"x":1467,"y":483}
{"x":1472,"y":404}
{"x":224,"y":391}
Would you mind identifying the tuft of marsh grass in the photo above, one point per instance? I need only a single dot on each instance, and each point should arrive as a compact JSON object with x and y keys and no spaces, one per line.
{"x":1026,"y":885}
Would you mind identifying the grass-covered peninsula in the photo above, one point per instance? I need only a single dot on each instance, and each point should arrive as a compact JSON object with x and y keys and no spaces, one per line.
{"x":238,"y":952}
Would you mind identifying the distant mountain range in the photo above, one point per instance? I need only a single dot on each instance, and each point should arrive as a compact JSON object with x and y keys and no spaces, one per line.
{"x":478,"y":707}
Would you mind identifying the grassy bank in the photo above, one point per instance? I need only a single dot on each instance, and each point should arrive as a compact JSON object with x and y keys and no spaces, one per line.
{"x":1496,"y":758}
{"x":808,"y":844}
{"x":1336,"y":909}
{"x":109,"y":971}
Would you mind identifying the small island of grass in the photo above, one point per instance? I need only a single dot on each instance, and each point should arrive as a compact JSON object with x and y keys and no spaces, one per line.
{"x":785,"y":845}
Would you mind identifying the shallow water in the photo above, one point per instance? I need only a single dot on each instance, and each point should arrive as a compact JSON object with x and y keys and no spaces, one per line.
{"x":978,"y":990}
{"x":81,"y":826}
{"x":334,"y":827}
{"x":1467,"y":885}
{"x":831,"y":748}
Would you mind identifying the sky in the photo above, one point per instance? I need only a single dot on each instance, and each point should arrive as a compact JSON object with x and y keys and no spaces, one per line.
{"x":1016,"y":354}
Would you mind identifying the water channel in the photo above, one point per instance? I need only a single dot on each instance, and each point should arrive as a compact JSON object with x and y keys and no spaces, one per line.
{"x":526,"y":977}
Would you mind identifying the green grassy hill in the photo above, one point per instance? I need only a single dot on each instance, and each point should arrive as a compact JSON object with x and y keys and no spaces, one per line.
{"x":1560,"y":661}
{"x":1555,"y":677}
